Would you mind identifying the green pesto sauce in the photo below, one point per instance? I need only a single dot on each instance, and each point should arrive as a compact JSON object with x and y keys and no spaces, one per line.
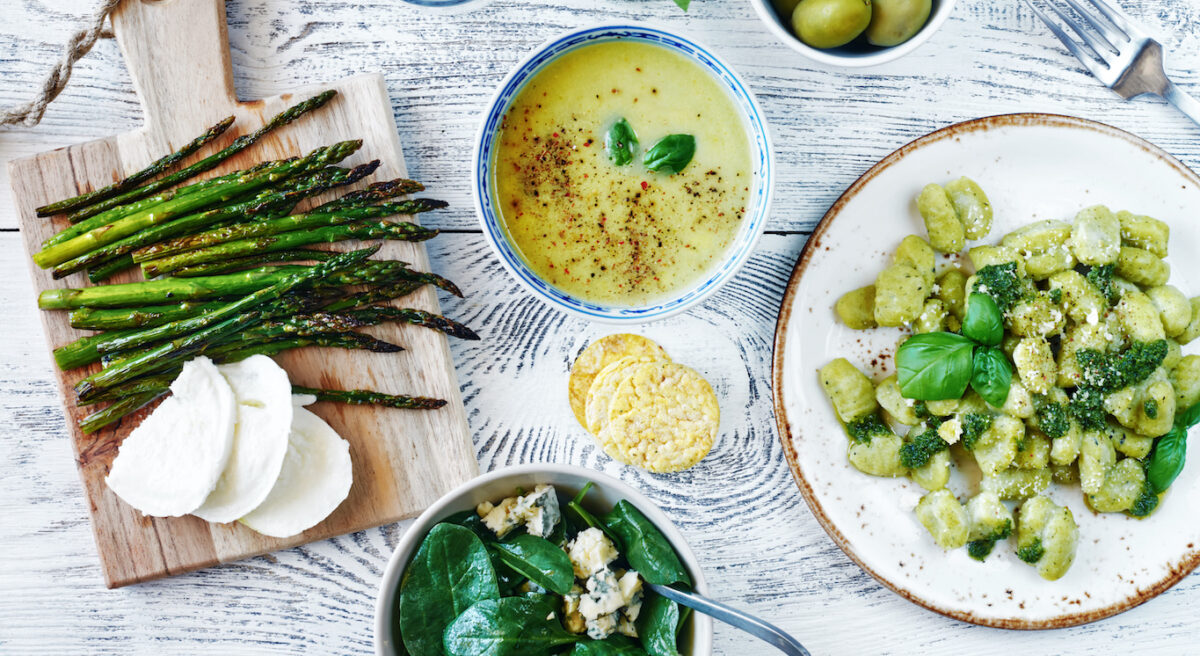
{"x":1053,"y":420}
{"x":1101,"y":278}
{"x":1087,"y":408}
{"x":1150,"y":407}
{"x":1109,"y":372}
{"x":1001,"y":282}
{"x":973,"y":426}
{"x":980,"y":549}
{"x":1032,"y":552}
{"x":862,"y":430}
{"x":917,"y":452}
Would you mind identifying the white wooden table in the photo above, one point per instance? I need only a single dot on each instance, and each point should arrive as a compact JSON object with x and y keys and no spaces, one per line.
{"x":761,"y":548}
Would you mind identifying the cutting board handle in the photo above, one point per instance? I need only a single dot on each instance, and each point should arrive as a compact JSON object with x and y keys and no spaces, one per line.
{"x":177,"y":52}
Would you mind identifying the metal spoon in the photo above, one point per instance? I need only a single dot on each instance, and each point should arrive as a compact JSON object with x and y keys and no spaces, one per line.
{"x":748,"y":623}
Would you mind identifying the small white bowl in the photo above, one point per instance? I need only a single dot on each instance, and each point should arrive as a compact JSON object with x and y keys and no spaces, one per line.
{"x":849,"y":56}
{"x":757,"y":209}
{"x":568,"y":480}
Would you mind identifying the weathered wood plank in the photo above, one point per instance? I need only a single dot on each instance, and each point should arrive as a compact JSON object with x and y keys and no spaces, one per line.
{"x":829,"y":125}
{"x":762,"y":549}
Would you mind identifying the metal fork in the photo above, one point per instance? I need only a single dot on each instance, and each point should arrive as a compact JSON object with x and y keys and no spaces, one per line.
{"x":1119,"y":52}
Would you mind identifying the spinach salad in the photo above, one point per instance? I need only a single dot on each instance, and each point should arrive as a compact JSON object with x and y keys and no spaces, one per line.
{"x":538,"y":575}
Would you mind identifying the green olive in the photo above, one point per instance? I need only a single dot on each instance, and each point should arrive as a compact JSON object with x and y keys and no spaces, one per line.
{"x":830,"y":23}
{"x":895,"y":21}
{"x":785,"y":7}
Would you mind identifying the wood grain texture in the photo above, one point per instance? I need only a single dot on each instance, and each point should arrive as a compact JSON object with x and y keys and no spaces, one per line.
{"x":760,"y":546}
{"x":402,"y":460}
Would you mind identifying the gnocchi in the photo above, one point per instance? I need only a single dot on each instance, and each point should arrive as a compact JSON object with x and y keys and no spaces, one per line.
{"x":1092,"y":334}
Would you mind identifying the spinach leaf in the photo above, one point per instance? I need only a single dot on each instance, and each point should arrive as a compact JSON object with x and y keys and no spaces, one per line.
{"x":471,"y":519}
{"x":507,"y":578}
{"x":646,"y":548}
{"x":991,"y":375}
{"x":582,"y":518}
{"x":614,"y":645}
{"x":1170,"y":452}
{"x":934,"y":366}
{"x":984,"y":322}
{"x":658,"y":625}
{"x":538,"y":560}
{"x":671,"y":154}
{"x":450,"y":572}
{"x":620,"y":142}
{"x":513,"y":626}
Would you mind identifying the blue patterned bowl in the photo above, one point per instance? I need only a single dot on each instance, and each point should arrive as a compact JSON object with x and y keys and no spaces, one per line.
{"x":757,"y":209}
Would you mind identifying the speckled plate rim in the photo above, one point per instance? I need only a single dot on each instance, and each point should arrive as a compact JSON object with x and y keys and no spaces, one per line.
{"x":784,"y":426}
{"x":761,"y":189}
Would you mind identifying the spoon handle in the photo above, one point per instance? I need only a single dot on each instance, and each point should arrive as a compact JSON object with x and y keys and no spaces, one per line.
{"x":748,"y":623}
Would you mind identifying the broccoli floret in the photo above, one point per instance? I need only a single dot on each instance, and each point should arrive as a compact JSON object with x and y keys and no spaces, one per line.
{"x":862,"y":430}
{"x":1052,"y":420}
{"x":973,"y":426}
{"x":980,"y":549}
{"x":1032,"y":552}
{"x":1002,"y":283}
{"x":1150,"y":407}
{"x":1101,"y":278}
{"x":917,"y":452}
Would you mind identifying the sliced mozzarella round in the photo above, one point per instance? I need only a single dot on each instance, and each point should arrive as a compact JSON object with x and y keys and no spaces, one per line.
{"x":260,"y":438}
{"x":168,"y":465}
{"x":314,"y":481}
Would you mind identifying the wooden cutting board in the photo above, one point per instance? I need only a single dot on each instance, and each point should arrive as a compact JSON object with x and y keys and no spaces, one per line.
{"x":178,"y":55}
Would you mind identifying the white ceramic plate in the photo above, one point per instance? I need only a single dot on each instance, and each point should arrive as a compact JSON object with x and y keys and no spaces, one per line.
{"x":1032,"y":166}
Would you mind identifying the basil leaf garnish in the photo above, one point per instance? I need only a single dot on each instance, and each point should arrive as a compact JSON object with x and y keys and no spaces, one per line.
{"x":1170,"y":451}
{"x":620,"y":142}
{"x":984,"y":322}
{"x":991,"y":376}
{"x":671,"y":154}
{"x":934,"y":366}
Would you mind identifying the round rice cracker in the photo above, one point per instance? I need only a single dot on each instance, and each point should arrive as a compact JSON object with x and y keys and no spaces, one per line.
{"x":598,"y":355}
{"x":663,"y":418}
{"x":604,"y":386}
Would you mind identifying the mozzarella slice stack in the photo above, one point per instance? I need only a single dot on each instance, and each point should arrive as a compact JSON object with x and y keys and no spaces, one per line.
{"x":232,"y":443}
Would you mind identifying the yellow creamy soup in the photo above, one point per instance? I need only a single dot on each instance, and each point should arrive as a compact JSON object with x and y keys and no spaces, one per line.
{"x":620,"y":235}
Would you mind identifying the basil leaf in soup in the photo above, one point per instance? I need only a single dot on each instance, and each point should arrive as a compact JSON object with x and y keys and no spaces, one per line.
{"x":934,"y":366}
{"x":614,"y":645}
{"x":538,"y":560}
{"x":450,"y":573}
{"x":620,"y":143}
{"x":671,"y":154}
{"x":658,"y":625}
{"x":512,"y":626}
{"x":991,"y":376}
{"x":645,"y":547}
{"x":983,"y":322}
